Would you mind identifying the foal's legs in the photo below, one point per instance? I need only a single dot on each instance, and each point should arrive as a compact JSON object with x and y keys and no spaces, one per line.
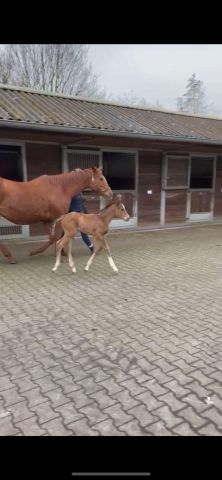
{"x":58,"y":256}
{"x":107,"y":251}
{"x":60,"y":244}
{"x":7,"y":254}
{"x":97,"y":246}
{"x":70,"y":257}
{"x":97,"y":243}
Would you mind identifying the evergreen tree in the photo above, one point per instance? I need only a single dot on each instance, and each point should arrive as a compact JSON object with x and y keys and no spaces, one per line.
{"x":193,"y":100}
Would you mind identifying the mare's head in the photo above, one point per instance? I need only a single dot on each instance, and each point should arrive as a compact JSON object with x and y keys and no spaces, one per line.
{"x":120,"y":210}
{"x":99,"y":184}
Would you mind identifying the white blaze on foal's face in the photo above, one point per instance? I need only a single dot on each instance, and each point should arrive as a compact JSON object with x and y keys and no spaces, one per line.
{"x":125,"y":216}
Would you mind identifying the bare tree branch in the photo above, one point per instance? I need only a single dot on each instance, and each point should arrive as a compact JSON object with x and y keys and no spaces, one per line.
{"x":62,"y":68}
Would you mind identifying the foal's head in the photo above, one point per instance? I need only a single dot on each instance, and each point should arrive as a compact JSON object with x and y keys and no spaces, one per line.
{"x":99,"y":184}
{"x":120,"y":211}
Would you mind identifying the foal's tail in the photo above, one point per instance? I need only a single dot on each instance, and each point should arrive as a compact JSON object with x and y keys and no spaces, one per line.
{"x":53,"y":230}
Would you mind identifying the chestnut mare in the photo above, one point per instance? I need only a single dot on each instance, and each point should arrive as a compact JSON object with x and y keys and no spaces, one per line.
{"x":89,"y":223}
{"x":46,"y":198}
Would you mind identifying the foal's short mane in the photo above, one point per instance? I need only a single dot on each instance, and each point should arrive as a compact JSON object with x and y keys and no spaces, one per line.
{"x":107,"y":206}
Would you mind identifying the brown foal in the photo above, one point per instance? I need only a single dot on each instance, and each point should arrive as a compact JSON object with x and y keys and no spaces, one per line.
{"x":93,"y":224}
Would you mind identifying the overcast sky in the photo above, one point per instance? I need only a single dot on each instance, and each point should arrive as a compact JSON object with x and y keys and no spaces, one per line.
{"x":159,"y":72}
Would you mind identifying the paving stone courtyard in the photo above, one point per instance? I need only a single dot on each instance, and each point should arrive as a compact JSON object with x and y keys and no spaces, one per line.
{"x":137,"y":353}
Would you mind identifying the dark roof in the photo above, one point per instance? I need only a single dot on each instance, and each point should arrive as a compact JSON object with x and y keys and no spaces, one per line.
{"x":25,"y":106}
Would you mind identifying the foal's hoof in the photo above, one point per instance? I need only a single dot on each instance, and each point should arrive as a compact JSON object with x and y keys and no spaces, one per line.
{"x":12,"y":261}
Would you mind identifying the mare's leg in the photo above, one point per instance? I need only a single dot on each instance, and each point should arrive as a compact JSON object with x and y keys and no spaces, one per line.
{"x":97,"y":246}
{"x":7,"y":254}
{"x":107,"y":251}
{"x":52,"y":238}
{"x":70,"y":257}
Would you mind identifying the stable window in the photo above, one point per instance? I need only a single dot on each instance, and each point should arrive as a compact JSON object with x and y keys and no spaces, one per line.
{"x":119,"y":170}
{"x":11,"y":162}
{"x":177,"y":172}
{"x":201,"y":174}
{"x":82,"y":159}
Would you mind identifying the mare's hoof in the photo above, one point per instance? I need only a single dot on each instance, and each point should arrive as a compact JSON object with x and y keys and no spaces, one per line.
{"x":12,"y":261}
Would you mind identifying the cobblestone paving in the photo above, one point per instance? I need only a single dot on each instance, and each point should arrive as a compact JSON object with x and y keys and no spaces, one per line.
{"x":138,"y":353}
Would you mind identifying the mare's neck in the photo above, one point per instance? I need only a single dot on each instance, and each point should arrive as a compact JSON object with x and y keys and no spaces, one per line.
{"x":75,"y":182}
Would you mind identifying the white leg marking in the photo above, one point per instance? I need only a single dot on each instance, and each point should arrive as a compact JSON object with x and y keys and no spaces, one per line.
{"x":58,"y":261}
{"x":112,"y":264}
{"x":70,"y":257}
{"x":89,"y":262}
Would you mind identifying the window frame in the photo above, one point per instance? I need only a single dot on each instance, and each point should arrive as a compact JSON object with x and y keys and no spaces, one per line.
{"x":189,"y":158}
{"x":173,"y":187}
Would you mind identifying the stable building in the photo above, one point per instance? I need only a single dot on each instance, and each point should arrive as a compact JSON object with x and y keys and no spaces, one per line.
{"x":167,"y":165}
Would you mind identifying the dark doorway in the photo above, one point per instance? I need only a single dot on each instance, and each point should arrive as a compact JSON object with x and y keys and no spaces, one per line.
{"x":119,"y":170}
{"x":201,"y":175}
{"x":11,"y":163}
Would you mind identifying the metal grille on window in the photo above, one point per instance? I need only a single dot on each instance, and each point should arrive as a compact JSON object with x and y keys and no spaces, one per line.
{"x":82,"y":160}
{"x":11,"y":230}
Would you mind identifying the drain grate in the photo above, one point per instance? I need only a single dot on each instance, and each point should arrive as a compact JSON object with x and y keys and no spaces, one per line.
{"x":11,"y":230}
